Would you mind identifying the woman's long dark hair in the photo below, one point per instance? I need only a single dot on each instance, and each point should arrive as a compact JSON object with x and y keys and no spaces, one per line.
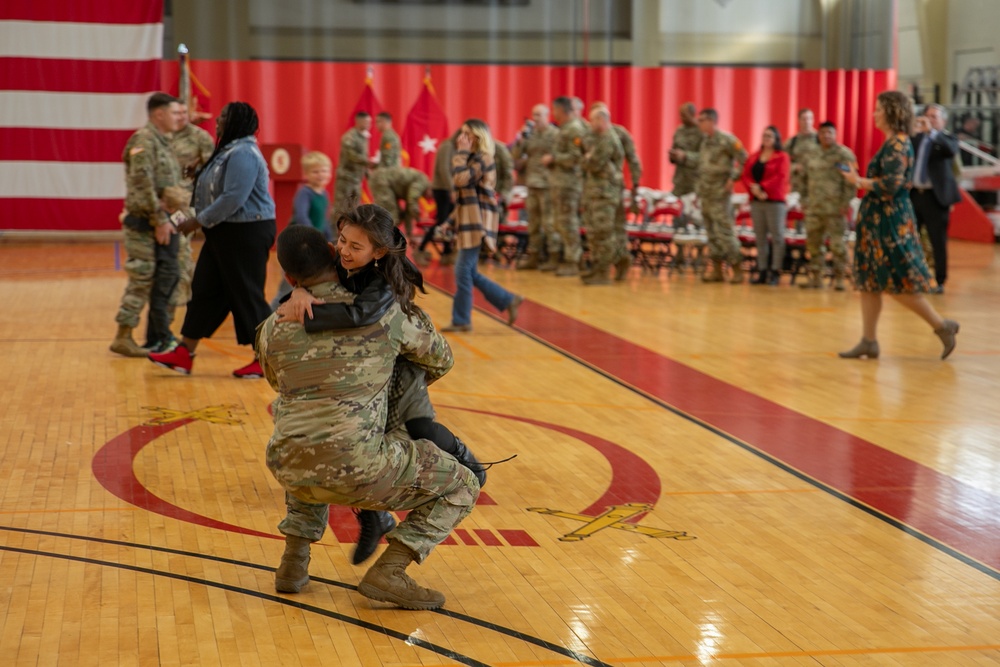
{"x":777,"y":138}
{"x":241,"y":121}
{"x":403,"y":277}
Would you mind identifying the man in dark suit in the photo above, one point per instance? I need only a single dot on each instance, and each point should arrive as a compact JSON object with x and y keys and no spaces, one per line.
{"x":934,"y":189}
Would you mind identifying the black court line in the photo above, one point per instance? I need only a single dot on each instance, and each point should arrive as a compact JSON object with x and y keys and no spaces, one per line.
{"x":487,"y":625}
{"x":878,"y":514}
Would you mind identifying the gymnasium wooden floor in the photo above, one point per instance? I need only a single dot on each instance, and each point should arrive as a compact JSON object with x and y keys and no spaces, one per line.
{"x":699,"y":481}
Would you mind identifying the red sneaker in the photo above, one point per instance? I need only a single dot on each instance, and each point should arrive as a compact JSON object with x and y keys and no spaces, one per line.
{"x":178,"y":359}
{"x":251,"y":371}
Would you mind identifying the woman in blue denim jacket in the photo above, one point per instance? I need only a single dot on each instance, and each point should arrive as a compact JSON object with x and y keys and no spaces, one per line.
{"x":236,"y":212}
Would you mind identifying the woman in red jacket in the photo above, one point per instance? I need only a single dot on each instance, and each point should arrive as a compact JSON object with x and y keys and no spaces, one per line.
{"x":765,"y":175}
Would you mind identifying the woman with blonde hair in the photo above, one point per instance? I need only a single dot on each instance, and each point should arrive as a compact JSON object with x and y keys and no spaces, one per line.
{"x":476,"y":222}
{"x":887,"y":254}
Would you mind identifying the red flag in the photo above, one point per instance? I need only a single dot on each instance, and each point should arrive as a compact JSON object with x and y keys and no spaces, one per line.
{"x":426,"y":127}
{"x":367,"y":102}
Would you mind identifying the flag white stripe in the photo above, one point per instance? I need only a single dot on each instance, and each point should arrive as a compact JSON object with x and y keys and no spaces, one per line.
{"x":75,"y":111}
{"x":62,"y":180}
{"x":81,"y":41}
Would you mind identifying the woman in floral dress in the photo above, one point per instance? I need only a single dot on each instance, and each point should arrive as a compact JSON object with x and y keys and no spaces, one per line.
{"x":887,"y":254}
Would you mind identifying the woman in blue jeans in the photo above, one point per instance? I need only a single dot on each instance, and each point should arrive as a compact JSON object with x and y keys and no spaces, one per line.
{"x":474,"y":176}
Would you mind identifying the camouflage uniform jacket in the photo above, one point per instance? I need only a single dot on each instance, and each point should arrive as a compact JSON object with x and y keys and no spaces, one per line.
{"x":505,"y":170}
{"x":688,"y":139}
{"x":567,"y":154}
{"x":390,"y":150}
{"x":192,"y":147}
{"x":150,"y":166}
{"x":406,"y":180}
{"x":528,"y":152}
{"x":799,"y":148}
{"x":628,"y":145}
{"x":603,"y":166}
{"x":330,"y":414}
{"x":353,"y":161}
{"x":824,"y":189}
{"x":720,"y":157}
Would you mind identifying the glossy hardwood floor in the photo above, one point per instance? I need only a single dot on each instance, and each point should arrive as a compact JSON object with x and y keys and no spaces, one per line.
{"x":699,"y":481}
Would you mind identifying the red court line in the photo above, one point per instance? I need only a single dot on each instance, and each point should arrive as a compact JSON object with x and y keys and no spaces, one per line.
{"x":951,"y":512}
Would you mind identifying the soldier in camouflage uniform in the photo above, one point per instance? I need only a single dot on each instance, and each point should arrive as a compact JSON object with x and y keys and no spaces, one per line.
{"x":150,"y":238}
{"x":505,"y":177}
{"x":330,"y":443}
{"x":389,"y":158}
{"x":687,"y":139}
{"x":720,"y":159}
{"x":602,"y":195}
{"x":403,"y":183}
{"x":798,"y":149}
{"x":623,"y":258}
{"x":534,"y":141}
{"x":566,"y":182}
{"x":828,"y":199}
{"x":193,"y":148}
{"x":352,"y":164}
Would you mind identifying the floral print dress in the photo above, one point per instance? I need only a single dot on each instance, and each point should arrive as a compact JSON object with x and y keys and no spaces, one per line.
{"x":888,"y":256}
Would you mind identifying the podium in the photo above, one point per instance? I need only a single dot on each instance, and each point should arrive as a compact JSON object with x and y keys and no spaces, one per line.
{"x":284,"y":161}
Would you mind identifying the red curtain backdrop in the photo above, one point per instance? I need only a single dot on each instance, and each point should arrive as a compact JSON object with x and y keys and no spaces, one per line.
{"x":308,"y":103}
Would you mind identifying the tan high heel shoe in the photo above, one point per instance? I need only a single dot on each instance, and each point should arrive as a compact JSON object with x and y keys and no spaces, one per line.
{"x":866,"y":348}
{"x":947,"y":335}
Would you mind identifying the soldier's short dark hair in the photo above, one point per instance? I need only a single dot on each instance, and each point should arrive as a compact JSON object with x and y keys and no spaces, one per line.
{"x":362,"y":114}
{"x":303,"y":252}
{"x":710,"y":113}
{"x":384,"y":114}
{"x":158,"y":101}
{"x":564,"y":103}
{"x":827,"y":123}
{"x":804,"y":111}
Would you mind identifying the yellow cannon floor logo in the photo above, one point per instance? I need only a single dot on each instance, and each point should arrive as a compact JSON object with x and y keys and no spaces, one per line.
{"x":613,"y":517}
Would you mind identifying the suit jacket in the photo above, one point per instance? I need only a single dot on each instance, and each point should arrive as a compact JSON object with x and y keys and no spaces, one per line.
{"x":943,"y":148}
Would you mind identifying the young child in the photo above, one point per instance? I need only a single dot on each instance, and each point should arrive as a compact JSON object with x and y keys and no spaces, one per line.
{"x":311,"y":205}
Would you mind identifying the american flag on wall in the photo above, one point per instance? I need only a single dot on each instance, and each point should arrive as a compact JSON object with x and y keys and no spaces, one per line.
{"x":74,"y":79}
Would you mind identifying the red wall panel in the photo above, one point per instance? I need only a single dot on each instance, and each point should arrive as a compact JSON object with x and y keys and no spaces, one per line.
{"x":310,"y":102}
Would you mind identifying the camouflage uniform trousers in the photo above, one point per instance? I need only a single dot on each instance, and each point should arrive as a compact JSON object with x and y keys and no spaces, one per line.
{"x":599,"y":221}
{"x":411,"y":475}
{"x":382,"y":193}
{"x":345,"y":192}
{"x":819,"y":226}
{"x":621,"y":233}
{"x":543,"y":241}
{"x":185,"y":267}
{"x":152,"y":276}
{"x":717,"y":215}
{"x":566,"y":220}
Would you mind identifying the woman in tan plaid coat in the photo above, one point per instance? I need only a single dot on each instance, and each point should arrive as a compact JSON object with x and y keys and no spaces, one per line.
{"x":476,"y":220}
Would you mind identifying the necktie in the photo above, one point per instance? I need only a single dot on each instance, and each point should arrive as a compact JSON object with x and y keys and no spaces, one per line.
{"x":920,"y":176}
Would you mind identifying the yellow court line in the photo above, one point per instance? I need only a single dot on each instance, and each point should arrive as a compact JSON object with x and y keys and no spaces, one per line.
{"x":471,"y":348}
{"x":759,"y":656}
{"x":80,"y":509}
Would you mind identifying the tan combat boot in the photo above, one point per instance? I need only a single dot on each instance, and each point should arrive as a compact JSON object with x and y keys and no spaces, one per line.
{"x":550,"y":265}
{"x":124,"y":345}
{"x":527,"y":263}
{"x":600,"y":275}
{"x":567,"y":269}
{"x":716,"y":274}
{"x":622,"y":266}
{"x":737,"y":276}
{"x":293,"y":573}
{"x":387,"y":581}
{"x":815,"y":281}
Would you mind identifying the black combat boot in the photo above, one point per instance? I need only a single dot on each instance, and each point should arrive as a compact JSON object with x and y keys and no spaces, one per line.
{"x":374,"y":524}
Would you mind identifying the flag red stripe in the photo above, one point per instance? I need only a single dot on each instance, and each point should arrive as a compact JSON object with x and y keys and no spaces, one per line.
{"x":145,"y":11}
{"x":46,"y":145}
{"x":78,"y":76}
{"x":61,"y":214}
